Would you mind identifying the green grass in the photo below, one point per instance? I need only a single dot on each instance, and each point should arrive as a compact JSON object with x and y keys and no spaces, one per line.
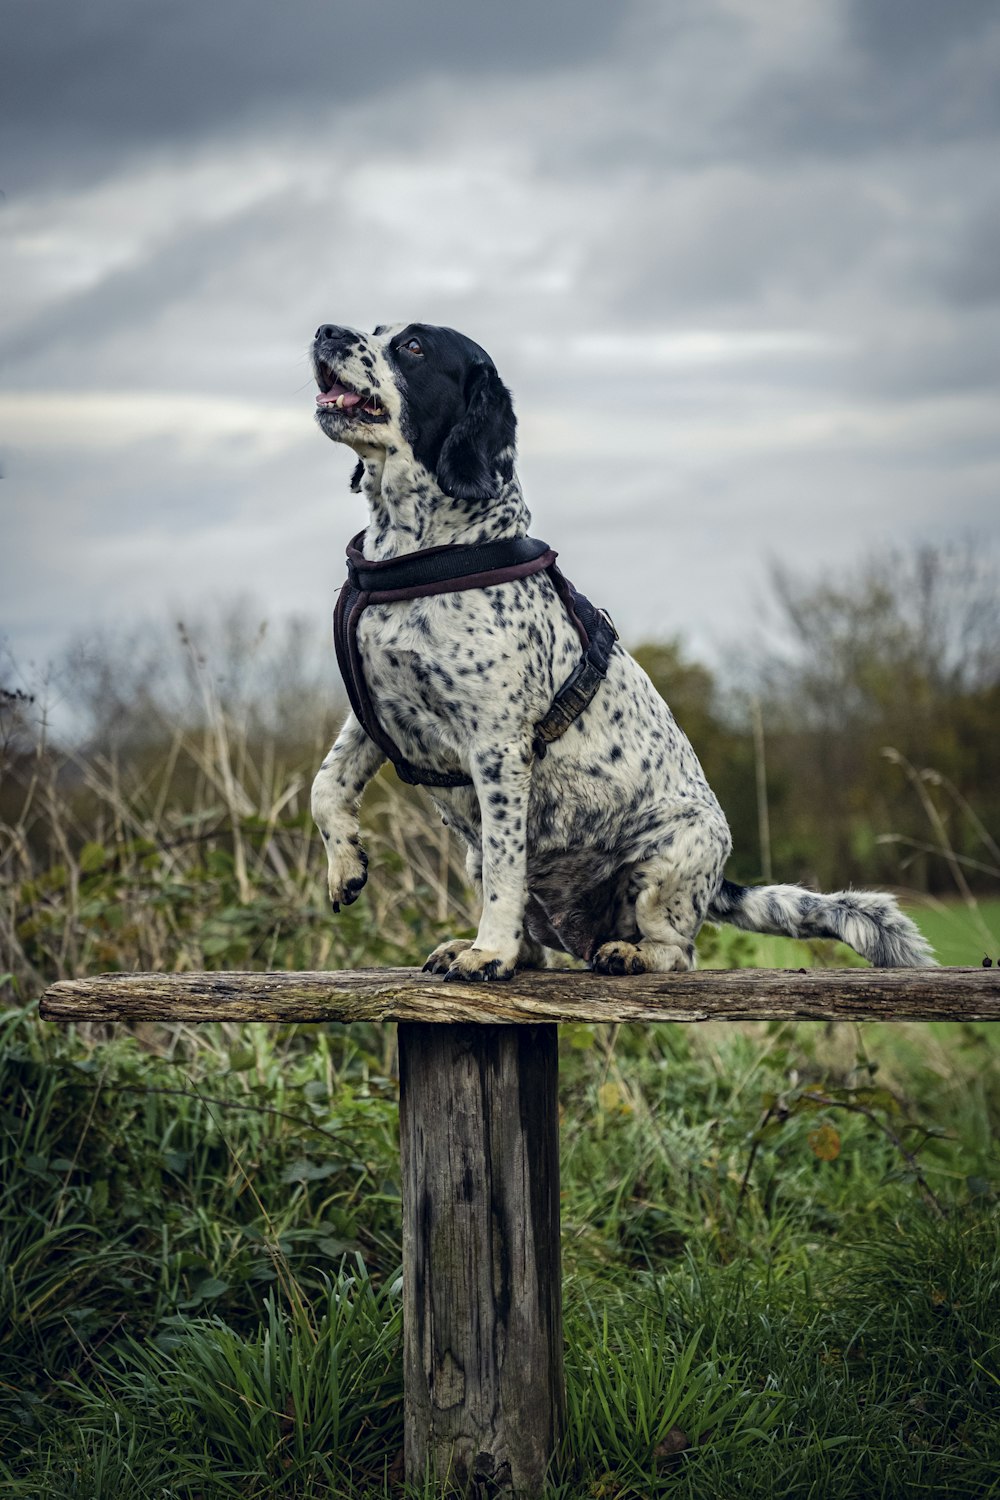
{"x":199,"y":1261}
{"x":961,"y":935}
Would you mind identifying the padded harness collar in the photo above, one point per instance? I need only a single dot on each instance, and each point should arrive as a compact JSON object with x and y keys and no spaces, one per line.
{"x":451,"y":569}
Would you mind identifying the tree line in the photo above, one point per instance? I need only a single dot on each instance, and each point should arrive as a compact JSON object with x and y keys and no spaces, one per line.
{"x":877,"y":717}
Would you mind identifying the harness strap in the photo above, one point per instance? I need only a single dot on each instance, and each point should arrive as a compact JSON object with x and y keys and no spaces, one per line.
{"x":443,"y":570}
{"x":597,"y":635}
{"x":451,"y":569}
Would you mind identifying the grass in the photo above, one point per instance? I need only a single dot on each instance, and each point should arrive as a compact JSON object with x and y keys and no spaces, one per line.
{"x":199,"y":1238}
{"x":961,"y":934}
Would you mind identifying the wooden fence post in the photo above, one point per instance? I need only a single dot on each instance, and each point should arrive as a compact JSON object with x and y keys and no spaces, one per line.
{"x":483,"y":1361}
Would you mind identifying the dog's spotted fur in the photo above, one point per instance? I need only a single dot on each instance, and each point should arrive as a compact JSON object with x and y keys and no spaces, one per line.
{"x":612,"y":846}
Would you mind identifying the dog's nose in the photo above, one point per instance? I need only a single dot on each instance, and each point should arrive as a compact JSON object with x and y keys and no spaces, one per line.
{"x":331,"y":333}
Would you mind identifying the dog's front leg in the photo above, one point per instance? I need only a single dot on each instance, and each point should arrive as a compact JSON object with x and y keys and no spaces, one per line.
{"x":336,"y":792}
{"x":502,"y":780}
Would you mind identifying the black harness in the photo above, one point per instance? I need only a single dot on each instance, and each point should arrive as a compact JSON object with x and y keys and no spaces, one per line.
{"x":446,"y":570}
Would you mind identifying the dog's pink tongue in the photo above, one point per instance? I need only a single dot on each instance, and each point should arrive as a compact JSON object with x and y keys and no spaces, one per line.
{"x":331,"y":397}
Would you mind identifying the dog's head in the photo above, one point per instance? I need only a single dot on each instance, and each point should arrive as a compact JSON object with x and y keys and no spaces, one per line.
{"x":429,"y":395}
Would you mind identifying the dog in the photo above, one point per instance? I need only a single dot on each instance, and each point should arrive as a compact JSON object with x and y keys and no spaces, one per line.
{"x":612,"y":846}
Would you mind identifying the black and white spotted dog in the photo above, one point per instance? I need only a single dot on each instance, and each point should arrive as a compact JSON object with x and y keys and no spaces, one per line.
{"x":612,"y":846}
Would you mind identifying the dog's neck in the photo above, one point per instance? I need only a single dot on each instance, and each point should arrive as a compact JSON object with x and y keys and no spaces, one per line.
{"x":409,"y":512}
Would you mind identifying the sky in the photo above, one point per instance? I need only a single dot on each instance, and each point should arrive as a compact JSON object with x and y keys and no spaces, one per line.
{"x":736,"y":259}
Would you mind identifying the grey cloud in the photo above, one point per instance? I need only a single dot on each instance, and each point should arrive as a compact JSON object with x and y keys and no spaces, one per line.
{"x":88,"y":84}
{"x":971,"y":274}
{"x":924,"y":355}
{"x":904,"y":76}
{"x":136,"y":298}
{"x":900,"y":32}
{"x":683,"y":168}
{"x":762,"y":243}
{"x":715,"y":83}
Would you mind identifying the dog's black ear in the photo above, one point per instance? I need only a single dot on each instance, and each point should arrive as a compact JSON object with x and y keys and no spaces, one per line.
{"x":477,"y":457}
{"x":357,"y":476}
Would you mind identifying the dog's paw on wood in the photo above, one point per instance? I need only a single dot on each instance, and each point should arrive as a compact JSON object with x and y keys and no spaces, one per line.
{"x":481,"y":966}
{"x":642,"y":958}
{"x":619,"y":958}
{"x":445,"y":954}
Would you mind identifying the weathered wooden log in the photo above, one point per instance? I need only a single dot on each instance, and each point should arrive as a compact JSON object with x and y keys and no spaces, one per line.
{"x":479,"y":1139}
{"x":551,"y":995}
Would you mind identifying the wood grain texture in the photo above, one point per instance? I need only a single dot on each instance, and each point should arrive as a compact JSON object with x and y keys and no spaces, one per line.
{"x":532,"y":997}
{"x":482,"y":1308}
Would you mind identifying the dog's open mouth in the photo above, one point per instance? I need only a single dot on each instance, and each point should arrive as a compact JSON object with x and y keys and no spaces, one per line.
{"x":333,"y":392}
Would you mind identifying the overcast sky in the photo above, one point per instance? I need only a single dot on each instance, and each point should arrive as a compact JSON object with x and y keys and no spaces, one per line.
{"x":739,"y":261}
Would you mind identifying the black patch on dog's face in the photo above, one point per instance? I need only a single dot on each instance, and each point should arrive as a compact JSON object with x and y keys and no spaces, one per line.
{"x":457,"y":413}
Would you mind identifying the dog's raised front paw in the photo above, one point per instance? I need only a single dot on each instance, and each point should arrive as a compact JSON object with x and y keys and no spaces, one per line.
{"x":347,"y":871}
{"x":480,"y":965}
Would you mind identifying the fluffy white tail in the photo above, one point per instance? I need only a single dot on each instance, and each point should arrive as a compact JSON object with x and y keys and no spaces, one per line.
{"x":870,"y":922}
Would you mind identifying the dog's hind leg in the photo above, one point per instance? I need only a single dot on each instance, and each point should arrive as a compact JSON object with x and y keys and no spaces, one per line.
{"x":674,"y":891}
{"x":668,"y":924}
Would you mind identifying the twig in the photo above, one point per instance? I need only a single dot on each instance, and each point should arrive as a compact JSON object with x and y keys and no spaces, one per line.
{"x":918,"y":780}
{"x":769,"y":1113}
{"x":924,"y":848}
{"x":887,"y":1130}
{"x":972,"y":815}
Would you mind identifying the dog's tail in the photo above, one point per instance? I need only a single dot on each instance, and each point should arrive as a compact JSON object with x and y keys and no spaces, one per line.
{"x":870,"y":922}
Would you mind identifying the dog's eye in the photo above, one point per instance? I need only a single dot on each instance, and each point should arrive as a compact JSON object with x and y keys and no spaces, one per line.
{"x":412,"y":346}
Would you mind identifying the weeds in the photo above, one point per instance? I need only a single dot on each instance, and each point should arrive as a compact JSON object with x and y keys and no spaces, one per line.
{"x":192,"y":847}
{"x":202,"y":1301}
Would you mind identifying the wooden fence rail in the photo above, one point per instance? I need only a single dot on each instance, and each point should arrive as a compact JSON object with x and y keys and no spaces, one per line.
{"x":482,"y":1313}
{"x":550,"y":995}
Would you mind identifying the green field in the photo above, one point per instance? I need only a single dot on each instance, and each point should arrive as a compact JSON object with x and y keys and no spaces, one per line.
{"x":961,"y":935}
